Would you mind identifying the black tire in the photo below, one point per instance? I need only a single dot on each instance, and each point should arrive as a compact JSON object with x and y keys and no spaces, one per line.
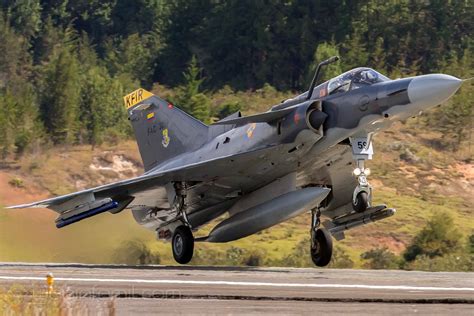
{"x":182,"y":244}
{"x":321,"y":247}
{"x":361,"y":203}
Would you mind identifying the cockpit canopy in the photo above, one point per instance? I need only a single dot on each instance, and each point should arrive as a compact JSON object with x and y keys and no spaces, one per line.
{"x":355,"y":79}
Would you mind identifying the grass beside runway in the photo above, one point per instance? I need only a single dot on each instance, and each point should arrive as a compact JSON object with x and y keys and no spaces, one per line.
{"x":34,"y":300}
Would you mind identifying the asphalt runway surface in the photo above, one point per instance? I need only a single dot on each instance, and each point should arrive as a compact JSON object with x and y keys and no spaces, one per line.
{"x":226,"y":290}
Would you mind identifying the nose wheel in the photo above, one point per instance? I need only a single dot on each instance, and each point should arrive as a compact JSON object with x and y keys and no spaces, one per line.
{"x":361,"y":202}
{"x":321,"y":242}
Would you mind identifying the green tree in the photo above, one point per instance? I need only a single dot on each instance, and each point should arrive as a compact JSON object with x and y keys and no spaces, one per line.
{"x":59,"y":11}
{"x":438,"y":238}
{"x":323,"y":52}
{"x":455,"y":118}
{"x":134,"y":56}
{"x":50,"y":39}
{"x":15,"y":60}
{"x":7,"y":121}
{"x":136,"y":17}
{"x":354,"y":52}
{"x":378,"y":56}
{"x":101,"y":109}
{"x":181,"y":21}
{"x":193,"y":80}
{"x":94,"y":18}
{"x":189,"y":96}
{"x":200,"y":107}
{"x":28,"y":128}
{"x":60,"y":93}
{"x":19,"y":125}
{"x":26,"y":17}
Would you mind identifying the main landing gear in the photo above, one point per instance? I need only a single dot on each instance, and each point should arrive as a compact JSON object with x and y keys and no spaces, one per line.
{"x":321,"y":241}
{"x":182,"y":244}
{"x":362,"y":150}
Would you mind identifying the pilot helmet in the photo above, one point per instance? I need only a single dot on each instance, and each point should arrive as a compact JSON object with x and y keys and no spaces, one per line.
{"x":368,"y":76}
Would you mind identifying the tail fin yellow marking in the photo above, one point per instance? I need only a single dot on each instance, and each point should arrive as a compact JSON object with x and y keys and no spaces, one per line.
{"x":136,"y":97}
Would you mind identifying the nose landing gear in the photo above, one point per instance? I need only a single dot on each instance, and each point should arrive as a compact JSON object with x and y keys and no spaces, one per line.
{"x":362,"y":197}
{"x":362,"y":150}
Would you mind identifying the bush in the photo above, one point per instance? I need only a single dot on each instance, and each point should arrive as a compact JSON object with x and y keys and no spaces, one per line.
{"x":451,"y":262}
{"x":380,"y":258}
{"x":254,"y":259}
{"x":135,"y":252}
{"x":234,"y":256}
{"x":228,"y":108}
{"x":207,"y":256}
{"x":340,"y":259}
{"x":438,"y":238}
{"x":301,"y":257}
{"x":17,"y":183}
{"x":470,"y":244}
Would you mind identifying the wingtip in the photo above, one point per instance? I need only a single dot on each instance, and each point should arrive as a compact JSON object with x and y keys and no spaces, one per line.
{"x":11,"y":207}
{"x":20,"y":206}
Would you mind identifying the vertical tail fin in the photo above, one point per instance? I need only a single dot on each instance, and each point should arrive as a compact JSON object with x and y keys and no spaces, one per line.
{"x":162,"y":130}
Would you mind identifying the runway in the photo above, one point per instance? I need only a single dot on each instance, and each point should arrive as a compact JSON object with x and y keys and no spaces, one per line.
{"x":217,"y":290}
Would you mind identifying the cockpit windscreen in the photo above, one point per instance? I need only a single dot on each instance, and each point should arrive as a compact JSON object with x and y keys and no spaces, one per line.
{"x":354,"y":79}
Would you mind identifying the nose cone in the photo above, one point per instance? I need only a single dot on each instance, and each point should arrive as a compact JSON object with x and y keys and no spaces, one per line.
{"x":430,"y":90}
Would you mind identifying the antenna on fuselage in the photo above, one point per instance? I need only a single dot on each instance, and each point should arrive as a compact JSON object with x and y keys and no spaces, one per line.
{"x":316,"y":74}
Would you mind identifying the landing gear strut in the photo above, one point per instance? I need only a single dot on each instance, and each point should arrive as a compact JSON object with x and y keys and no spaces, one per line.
{"x":182,"y":242}
{"x":363,"y":192}
{"x":362,"y":150}
{"x":321,"y":241}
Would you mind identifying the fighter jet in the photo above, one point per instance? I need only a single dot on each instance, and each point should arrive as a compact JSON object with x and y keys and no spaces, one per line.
{"x":306,"y":154}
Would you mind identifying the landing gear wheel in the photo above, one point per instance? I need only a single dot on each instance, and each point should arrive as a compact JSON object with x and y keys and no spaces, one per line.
{"x":361,"y":202}
{"x":321,"y":247}
{"x":182,"y":244}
